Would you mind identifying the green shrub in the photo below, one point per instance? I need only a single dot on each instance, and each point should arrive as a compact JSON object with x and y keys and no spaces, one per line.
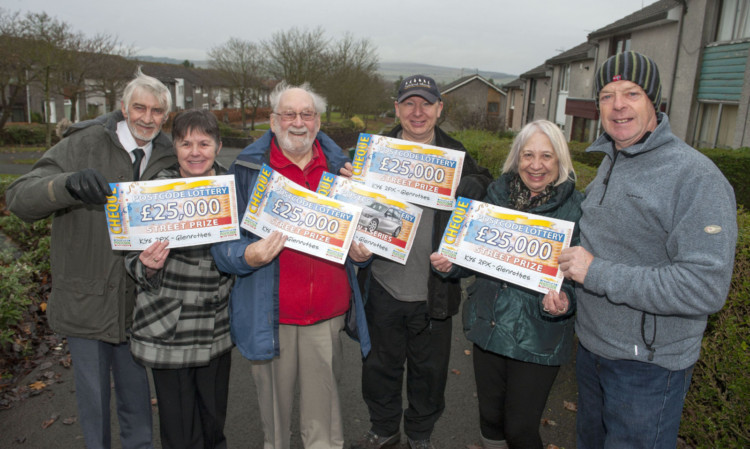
{"x":735,"y":164}
{"x":487,"y":149}
{"x":15,"y":299}
{"x":717,"y":409}
{"x":21,"y":277}
{"x":23,"y":134}
{"x":578,"y":154}
{"x":230,"y":131}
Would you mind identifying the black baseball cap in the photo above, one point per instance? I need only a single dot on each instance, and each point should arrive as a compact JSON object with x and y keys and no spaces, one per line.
{"x":419,"y":85}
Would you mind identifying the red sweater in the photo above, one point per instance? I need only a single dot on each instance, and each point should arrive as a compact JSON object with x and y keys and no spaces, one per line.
{"x":311,"y":289}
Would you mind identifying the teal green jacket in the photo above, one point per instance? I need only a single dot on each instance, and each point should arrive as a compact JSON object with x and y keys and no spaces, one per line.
{"x":509,"y":320}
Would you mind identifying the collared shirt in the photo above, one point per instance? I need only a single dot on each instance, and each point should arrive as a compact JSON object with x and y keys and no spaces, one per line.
{"x":128,"y":142}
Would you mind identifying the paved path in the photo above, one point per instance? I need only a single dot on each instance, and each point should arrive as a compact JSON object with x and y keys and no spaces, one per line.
{"x":457,"y":428}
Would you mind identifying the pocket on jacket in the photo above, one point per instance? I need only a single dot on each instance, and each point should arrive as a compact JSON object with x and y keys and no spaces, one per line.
{"x":156,"y":318}
{"x":93,"y":287}
{"x":541,"y":336}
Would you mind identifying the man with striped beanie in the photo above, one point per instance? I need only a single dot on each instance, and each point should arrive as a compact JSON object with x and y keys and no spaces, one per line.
{"x":658,"y":233}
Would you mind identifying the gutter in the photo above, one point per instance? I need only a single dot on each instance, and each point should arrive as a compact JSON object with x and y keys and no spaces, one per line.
{"x":677,"y":55}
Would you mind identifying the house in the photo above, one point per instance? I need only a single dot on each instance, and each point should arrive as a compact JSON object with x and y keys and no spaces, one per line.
{"x":514,"y":108}
{"x":473,"y":99}
{"x":701,"y":48}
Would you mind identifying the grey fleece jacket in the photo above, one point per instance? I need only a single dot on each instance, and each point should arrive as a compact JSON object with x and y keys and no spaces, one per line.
{"x":661,"y":222}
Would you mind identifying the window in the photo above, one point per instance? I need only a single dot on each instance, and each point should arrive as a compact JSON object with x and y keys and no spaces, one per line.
{"x":734,"y":21}
{"x":582,"y":130}
{"x":620,"y":44}
{"x":716,"y":125}
{"x":493,"y":108}
{"x":565,"y":78}
{"x":532,"y":101}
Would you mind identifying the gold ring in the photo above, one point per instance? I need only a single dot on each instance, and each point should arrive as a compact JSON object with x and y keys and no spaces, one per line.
{"x":155,"y":259}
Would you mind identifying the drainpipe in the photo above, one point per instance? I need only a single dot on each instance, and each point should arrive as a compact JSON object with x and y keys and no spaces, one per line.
{"x":677,"y":56}
{"x":593,"y":89}
{"x":549,"y":100}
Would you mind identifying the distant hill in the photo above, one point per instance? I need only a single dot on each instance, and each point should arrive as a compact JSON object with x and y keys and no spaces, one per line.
{"x":443,"y":75}
{"x":391,"y":71}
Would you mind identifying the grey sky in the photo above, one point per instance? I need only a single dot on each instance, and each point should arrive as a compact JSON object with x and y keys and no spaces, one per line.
{"x":510,"y":36}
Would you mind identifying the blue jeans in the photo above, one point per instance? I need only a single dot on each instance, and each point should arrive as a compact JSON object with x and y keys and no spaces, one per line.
{"x":93,"y":363}
{"x":627,"y":403}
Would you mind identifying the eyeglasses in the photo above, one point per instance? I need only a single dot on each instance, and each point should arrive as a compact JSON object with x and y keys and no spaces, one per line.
{"x":290,"y":116}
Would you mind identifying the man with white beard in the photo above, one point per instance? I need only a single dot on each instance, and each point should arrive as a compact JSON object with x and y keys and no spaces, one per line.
{"x":288,"y":307}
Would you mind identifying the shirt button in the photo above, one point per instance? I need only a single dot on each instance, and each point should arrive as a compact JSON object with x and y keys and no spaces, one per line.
{"x":492,"y":323}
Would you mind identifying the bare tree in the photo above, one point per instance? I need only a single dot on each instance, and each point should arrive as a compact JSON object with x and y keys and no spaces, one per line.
{"x":352,"y":64}
{"x":241,"y":63}
{"x":82,"y":60}
{"x":49,"y":39}
{"x":376,"y":99}
{"x":110,"y":78}
{"x":297,"y":56}
{"x":16,"y":64}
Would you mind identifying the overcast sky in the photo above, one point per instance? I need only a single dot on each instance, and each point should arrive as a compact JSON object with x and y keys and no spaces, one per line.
{"x":510,"y":36}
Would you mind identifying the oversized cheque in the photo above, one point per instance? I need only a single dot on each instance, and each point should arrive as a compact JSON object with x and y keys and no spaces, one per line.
{"x":414,"y":172}
{"x":386,"y":227}
{"x":185,"y":211}
{"x":507,"y":244}
{"x":313,"y":223}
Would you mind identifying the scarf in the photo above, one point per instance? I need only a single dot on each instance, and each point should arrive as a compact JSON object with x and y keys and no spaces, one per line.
{"x":519,"y":196}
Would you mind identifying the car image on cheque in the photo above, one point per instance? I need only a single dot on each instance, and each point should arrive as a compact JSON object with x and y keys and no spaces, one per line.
{"x":382,"y":218}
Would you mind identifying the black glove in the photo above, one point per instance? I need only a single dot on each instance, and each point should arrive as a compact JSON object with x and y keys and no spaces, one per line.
{"x":470,"y":187}
{"x":89,"y":186}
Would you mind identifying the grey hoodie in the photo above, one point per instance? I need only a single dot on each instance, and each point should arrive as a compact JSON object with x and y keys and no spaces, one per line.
{"x":661,"y":222}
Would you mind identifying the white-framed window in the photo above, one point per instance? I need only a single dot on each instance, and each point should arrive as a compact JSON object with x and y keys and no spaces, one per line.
{"x":734,"y":21}
{"x":565,"y":78}
{"x":620,"y":44}
{"x":716,"y":125}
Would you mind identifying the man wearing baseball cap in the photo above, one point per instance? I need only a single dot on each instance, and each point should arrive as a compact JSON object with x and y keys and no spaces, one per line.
{"x":658,"y":234}
{"x":409,"y":307}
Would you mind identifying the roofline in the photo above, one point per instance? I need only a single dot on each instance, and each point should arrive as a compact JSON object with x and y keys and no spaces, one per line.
{"x":666,"y":16}
{"x":472,"y":78}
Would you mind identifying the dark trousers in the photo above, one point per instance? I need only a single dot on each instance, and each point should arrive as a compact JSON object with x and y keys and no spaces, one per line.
{"x":96,"y":364}
{"x":628,"y":403}
{"x":403,"y":333}
{"x":512,"y":395}
{"x":193,"y":404}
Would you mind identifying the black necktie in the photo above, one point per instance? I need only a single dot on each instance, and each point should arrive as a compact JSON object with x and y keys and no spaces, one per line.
{"x":138,"y":153}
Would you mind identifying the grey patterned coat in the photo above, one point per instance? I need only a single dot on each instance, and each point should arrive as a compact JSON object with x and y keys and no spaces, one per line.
{"x":181,"y":316}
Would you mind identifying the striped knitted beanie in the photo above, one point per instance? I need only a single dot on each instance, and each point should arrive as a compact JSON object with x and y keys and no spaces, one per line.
{"x":634,"y":67}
